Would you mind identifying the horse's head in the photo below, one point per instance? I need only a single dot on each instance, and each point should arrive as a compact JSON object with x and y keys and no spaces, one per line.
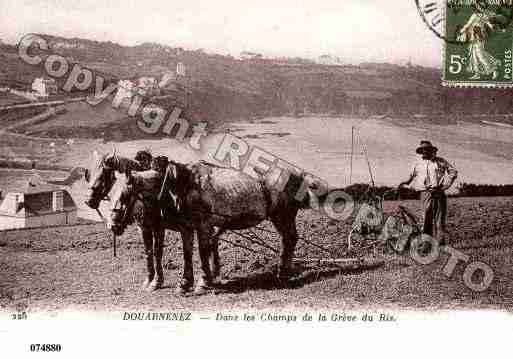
{"x":101,"y":178}
{"x":124,"y":200}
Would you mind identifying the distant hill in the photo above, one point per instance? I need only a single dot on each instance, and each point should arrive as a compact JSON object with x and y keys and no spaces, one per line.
{"x":225,"y":88}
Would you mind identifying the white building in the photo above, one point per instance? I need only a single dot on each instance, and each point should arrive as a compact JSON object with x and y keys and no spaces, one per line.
{"x":248,"y":55}
{"x":36,"y":206}
{"x":180,"y":69}
{"x":147,"y":85}
{"x":167,"y":79}
{"x":44,"y":86}
{"x":329,"y":60}
{"x":126,"y":90}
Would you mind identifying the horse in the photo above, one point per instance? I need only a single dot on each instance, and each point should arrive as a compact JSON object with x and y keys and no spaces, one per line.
{"x":212,"y":199}
{"x":137,"y":201}
{"x":101,"y":179}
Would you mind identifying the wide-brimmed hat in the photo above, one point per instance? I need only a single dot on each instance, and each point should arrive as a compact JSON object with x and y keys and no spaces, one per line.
{"x":426,"y":146}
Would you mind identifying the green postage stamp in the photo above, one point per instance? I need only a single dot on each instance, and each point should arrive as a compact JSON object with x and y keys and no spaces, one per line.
{"x":478,"y":43}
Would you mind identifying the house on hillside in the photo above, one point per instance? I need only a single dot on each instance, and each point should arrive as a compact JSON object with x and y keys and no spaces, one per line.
{"x":147,"y":86}
{"x":180,"y":69}
{"x":329,"y":60}
{"x":44,"y":87}
{"x":167,"y":79}
{"x":248,"y":55}
{"x":125,"y":91}
{"x":36,"y":206}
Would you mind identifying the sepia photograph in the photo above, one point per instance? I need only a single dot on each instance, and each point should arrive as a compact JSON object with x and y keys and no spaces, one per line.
{"x":172,"y":172}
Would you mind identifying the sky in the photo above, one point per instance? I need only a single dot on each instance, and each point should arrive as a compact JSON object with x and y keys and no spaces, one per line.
{"x":354,"y":30}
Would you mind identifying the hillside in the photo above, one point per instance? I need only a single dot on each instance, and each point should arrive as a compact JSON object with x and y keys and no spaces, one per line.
{"x":222,"y":88}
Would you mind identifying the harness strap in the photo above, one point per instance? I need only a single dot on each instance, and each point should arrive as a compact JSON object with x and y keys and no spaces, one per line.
{"x":267,"y":197}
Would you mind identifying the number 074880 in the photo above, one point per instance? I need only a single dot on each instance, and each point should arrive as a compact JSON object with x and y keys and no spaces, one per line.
{"x":45,"y":347}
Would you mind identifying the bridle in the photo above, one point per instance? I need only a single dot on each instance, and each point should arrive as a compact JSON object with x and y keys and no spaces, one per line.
{"x":107,"y":177}
{"x":122,"y":214}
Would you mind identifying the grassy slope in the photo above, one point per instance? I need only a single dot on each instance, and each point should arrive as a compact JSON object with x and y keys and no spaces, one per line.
{"x":225,"y":88}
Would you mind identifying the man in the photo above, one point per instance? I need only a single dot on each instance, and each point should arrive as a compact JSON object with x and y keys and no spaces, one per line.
{"x":433,"y":175}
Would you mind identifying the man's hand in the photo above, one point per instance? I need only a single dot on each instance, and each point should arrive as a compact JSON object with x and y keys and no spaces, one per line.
{"x":445,"y":187}
{"x":436,"y":188}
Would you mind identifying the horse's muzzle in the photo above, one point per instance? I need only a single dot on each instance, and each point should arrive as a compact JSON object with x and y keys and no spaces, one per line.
{"x":117,"y":229}
{"x":92,"y":203}
{"x":93,"y":199}
{"x":117,"y":224}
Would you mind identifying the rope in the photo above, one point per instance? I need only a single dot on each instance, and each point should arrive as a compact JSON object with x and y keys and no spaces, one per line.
{"x":368,"y":162}
{"x":317,"y":246}
{"x":352,"y":154}
{"x":256,"y":240}
{"x":243,"y":247}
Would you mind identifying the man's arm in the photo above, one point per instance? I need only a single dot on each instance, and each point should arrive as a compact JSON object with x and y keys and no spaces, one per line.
{"x":451,"y":175}
{"x":413,"y":174}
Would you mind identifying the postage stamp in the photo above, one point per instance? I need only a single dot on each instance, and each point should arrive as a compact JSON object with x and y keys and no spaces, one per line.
{"x":478,"y":43}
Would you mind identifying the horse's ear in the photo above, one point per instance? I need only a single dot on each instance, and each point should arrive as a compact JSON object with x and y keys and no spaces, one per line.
{"x":98,"y":157}
{"x":115,"y":153}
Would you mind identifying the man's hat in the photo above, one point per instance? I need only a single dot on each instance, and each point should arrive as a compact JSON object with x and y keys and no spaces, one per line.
{"x":426,"y":146}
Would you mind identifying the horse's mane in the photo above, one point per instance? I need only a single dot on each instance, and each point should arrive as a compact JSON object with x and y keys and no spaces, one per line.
{"x":119,"y":163}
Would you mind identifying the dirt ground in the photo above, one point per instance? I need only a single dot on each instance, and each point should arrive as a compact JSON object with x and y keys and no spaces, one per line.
{"x":73,"y":268}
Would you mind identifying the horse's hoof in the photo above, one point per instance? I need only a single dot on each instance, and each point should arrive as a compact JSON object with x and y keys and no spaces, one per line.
{"x":183,"y":290}
{"x":154,"y":285}
{"x":201,"y":290}
{"x":282,"y":281}
{"x":145,"y":284}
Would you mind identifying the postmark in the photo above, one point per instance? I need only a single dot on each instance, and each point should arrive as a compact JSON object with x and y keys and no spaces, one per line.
{"x":478,"y":40}
{"x":432,"y":13}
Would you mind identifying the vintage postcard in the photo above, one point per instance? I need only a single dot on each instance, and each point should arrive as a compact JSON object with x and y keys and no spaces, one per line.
{"x":300,"y":178}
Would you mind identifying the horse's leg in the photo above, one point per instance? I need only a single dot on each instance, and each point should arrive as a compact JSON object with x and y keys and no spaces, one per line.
{"x":188,"y":275}
{"x":204,"y":246}
{"x":214,"y":255}
{"x":286,"y":225}
{"x":147,"y":235}
{"x":158,"y":250}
